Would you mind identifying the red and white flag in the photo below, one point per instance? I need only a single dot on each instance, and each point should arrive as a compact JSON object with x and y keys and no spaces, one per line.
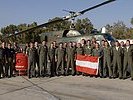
{"x":87,"y":64}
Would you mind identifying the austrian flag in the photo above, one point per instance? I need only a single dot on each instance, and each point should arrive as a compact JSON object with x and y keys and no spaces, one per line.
{"x":87,"y":64}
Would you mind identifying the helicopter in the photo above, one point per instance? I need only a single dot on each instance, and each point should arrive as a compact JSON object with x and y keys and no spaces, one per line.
{"x":71,"y":34}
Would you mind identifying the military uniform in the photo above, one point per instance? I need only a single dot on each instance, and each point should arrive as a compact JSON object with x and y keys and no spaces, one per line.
{"x":10,"y":55}
{"x":60,"y":56}
{"x":37,"y":69}
{"x":88,"y":50}
{"x":107,"y":61}
{"x":99,"y":53}
{"x":117,"y":54}
{"x":127,"y":61}
{"x":43,"y":51}
{"x":51,"y":58}
{"x":80,"y":50}
{"x":2,"y":60}
{"x":70,"y":52}
{"x":31,"y":52}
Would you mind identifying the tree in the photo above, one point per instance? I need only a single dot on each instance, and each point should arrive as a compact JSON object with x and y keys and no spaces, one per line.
{"x":59,"y":25}
{"x":119,"y":30}
{"x":84,"y":25}
{"x":132,"y":21}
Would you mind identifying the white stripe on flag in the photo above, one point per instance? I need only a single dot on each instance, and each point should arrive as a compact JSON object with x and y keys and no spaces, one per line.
{"x":87,"y":64}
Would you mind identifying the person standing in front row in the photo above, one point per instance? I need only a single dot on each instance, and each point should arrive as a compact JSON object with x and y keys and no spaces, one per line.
{"x":43,"y":53}
{"x":2,"y":59}
{"x":31,"y":52}
{"x":79,"y":51}
{"x":97,"y":52}
{"x":10,"y":55}
{"x":60,"y":58}
{"x":107,"y":60}
{"x":37,"y":69}
{"x":128,"y":52}
{"x":51,"y":60}
{"x":117,"y":54}
{"x":70,"y":54}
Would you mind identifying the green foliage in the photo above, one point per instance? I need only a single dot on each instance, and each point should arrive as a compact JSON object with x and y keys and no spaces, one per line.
{"x":84,"y":25}
{"x":119,"y":30}
{"x":132,"y":21}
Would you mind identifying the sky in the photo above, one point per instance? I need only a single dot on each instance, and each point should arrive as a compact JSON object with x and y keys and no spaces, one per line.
{"x":28,"y":11}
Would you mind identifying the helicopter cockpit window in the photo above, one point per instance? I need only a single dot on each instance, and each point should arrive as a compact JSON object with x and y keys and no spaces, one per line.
{"x":73,"y":33}
{"x":98,"y":37}
{"x":109,"y":37}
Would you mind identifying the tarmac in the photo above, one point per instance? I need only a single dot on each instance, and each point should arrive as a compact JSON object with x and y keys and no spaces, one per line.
{"x":65,"y":88}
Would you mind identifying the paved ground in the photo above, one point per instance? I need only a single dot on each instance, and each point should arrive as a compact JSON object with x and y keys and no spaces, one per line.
{"x":65,"y":88}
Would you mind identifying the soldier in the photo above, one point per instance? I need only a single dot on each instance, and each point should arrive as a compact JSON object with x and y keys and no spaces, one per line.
{"x":31,"y":52}
{"x":55,"y":47}
{"x":79,"y":49}
{"x":83,"y":44}
{"x":17,"y":50}
{"x":128,"y":50}
{"x":93,"y":42}
{"x":51,"y":60}
{"x":97,"y":52}
{"x":65,"y":47}
{"x":117,"y":53}
{"x":74,"y":44}
{"x":55,"y":44}
{"x":26,"y":48}
{"x":70,"y":53}
{"x":107,"y":60}
{"x":5,"y":59}
{"x":37,"y":69}
{"x":2,"y":60}
{"x":16,"y":47}
{"x":10,"y":55}
{"x":88,"y":49}
{"x":43,"y":51}
{"x":122,"y":45}
{"x":102,"y":45}
{"x":60,"y":58}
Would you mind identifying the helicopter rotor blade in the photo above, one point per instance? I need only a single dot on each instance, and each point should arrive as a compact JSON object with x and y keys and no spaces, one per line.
{"x":73,"y":14}
{"x":39,"y":26}
{"x":101,"y":4}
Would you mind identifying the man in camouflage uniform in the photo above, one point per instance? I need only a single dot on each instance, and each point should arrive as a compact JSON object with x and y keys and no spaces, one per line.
{"x":107,"y":60}
{"x":43,"y":51}
{"x":37,"y":69}
{"x":70,"y":53}
{"x":10,"y":55}
{"x":31,"y":52}
{"x":79,"y":51}
{"x":117,"y":53}
{"x":128,"y":53}
{"x":51,"y":60}
{"x":2,"y":59}
{"x":60,"y":58}
{"x":88,"y":49}
{"x":97,"y":52}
